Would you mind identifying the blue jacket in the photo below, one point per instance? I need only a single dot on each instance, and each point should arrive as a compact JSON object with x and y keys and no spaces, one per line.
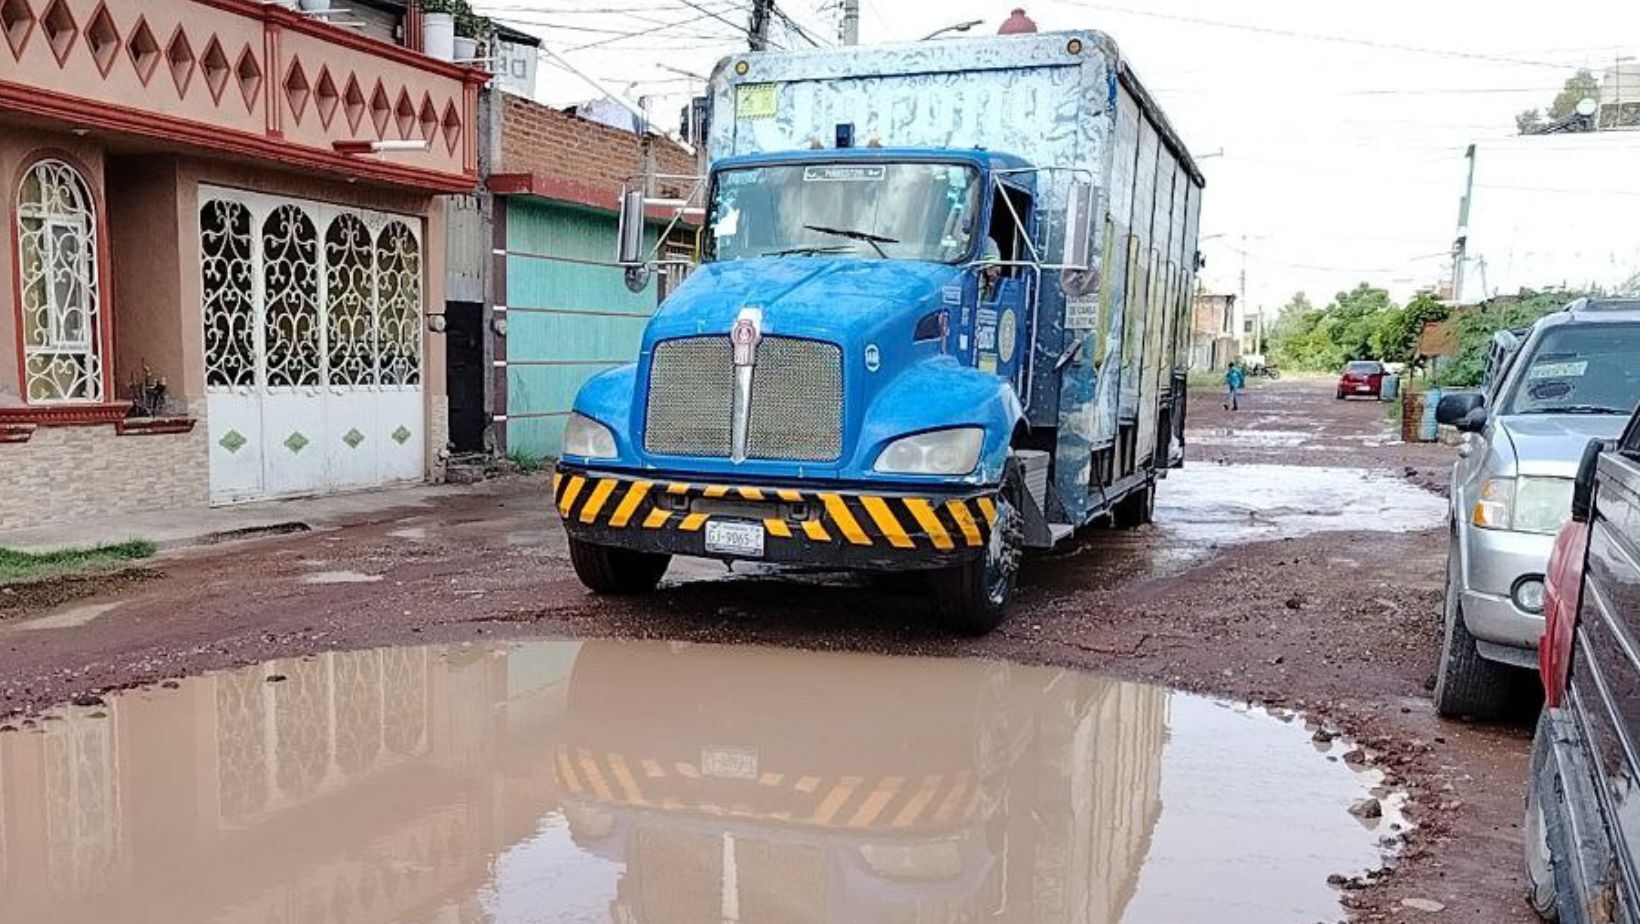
{"x":1234,"y":377}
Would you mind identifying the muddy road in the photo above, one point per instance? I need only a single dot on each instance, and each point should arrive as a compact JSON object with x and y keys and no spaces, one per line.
{"x":1296,"y":564}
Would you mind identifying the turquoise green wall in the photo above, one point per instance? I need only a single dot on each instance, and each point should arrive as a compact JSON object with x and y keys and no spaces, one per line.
{"x":566,"y":320}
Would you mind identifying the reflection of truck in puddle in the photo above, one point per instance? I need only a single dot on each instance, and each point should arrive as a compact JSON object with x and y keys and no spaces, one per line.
{"x":972,"y":791}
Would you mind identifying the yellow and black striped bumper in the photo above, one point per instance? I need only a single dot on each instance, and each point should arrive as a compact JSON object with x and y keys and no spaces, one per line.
{"x":900,"y":804}
{"x":801,"y":525}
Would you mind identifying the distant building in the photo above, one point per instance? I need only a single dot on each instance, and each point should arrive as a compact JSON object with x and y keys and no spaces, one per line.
{"x":1214,"y":338}
{"x":1620,"y":97}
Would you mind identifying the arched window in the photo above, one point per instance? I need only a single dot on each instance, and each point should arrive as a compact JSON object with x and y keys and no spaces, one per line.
{"x":60,"y":299}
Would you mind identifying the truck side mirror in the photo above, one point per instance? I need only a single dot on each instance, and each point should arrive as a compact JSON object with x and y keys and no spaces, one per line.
{"x":1583,"y":487}
{"x":1079,"y":209}
{"x":1465,"y":410}
{"x":630,"y":249}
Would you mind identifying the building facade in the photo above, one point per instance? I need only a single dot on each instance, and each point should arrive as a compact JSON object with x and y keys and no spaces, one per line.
{"x":1214,"y":339}
{"x":225,"y":254}
{"x":561,"y":310}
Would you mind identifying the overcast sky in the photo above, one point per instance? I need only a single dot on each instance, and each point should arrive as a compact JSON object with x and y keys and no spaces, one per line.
{"x":1342,"y":127}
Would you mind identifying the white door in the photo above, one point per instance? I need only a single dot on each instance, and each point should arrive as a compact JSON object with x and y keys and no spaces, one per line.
{"x":312,"y":318}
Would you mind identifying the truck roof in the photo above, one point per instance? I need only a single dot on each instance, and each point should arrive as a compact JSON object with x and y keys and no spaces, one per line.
{"x":978,"y":157}
{"x":991,"y":52}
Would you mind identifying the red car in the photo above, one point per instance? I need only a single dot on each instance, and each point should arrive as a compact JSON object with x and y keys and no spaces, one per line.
{"x":1362,"y":377}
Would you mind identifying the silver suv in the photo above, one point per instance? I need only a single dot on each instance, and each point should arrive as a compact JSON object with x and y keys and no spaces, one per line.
{"x":1575,"y":377}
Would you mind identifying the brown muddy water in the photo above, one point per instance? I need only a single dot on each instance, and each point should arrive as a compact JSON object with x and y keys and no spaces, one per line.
{"x":654,"y":782}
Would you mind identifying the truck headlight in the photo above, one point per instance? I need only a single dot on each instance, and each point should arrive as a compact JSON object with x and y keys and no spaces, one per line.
{"x":1525,"y":505}
{"x":584,"y":436}
{"x":938,"y":452}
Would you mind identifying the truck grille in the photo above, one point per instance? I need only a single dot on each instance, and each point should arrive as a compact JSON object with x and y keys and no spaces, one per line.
{"x":797,"y":399}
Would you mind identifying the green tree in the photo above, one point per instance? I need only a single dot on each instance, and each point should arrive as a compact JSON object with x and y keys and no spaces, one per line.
{"x":1578,"y":87}
{"x":1396,"y":339}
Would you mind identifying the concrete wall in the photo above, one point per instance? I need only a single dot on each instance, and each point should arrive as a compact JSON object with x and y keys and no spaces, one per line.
{"x":72,"y":473}
{"x":146,"y":278}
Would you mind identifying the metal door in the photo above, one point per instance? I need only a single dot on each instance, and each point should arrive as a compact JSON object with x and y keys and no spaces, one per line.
{"x":312,"y":321}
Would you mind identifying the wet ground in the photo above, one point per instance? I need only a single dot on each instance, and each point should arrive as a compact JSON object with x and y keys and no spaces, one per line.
{"x":642,"y":781}
{"x":1299,"y":569}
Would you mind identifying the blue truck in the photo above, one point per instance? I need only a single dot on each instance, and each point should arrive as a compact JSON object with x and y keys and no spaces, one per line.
{"x":938,"y":319}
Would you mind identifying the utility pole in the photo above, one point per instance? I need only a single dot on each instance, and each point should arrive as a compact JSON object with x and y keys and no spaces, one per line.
{"x":1258,"y":325}
{"x":850,"y":31}
{"x":1460,"y":245}
{"x":757,"y":33}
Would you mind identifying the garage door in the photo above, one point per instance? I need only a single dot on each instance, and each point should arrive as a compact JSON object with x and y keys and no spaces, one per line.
{"x":313,"y":346}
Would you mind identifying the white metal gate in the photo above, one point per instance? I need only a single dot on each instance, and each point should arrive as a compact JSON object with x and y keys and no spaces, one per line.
{"x":313,"y":345}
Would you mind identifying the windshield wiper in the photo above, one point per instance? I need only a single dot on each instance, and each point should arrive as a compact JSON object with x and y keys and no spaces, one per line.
{"x":1577,"y":409}
{"x":875,"y":240}
{"x":809,"y":251}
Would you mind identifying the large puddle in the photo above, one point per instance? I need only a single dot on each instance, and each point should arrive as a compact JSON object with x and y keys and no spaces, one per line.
{"x":673,"y":784}
{"x":1226,"y":504}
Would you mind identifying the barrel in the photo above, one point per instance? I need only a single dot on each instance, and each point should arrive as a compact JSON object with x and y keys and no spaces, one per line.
{"x":1390,"y":389}
{"x":1428,"y":429}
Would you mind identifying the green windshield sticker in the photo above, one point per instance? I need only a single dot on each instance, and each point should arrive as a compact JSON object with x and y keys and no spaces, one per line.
{"x":838,"y":173}
{"x":1558,"y":370}
{"x":756,"y":101}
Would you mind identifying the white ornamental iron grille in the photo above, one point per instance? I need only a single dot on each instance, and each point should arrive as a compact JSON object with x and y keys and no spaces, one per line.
{"x":336,"y":721}
{"x":288,"y":306}
{"x":60,"y":299}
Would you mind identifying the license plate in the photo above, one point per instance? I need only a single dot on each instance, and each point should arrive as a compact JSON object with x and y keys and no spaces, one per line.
{"x":1363,"y":388}
{"x":728,"y":763}
{"x":734,"y":537}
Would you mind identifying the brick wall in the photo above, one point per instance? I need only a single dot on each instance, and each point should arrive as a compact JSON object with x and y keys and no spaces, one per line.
{"x":544,"y":141}
{"x":73,"y":473}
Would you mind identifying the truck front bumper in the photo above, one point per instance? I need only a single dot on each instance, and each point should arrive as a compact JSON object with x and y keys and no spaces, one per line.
{"x":842,"y":528}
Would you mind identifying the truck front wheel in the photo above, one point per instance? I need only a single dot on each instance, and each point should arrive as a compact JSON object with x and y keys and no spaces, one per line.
{"x":973,"y":598}
{"x":618,"y":572}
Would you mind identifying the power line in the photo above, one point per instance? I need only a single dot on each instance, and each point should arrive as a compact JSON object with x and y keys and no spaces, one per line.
{"x":1318,"y":36}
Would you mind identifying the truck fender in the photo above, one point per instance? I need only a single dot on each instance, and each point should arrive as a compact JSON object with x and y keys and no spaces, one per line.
{"x":607,"y":398}
{"x":940,"y":393}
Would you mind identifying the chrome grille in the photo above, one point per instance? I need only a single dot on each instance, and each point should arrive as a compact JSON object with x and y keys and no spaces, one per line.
{"x":797,"y":401}
{"x":691,"y":394}
{"x":796,"y":408}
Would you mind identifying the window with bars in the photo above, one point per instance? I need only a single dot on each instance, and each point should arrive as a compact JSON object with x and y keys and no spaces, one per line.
{"x":59,"y":297}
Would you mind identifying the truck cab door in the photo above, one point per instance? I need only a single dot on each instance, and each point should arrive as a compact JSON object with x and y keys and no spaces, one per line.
{"x":1002,"y":323}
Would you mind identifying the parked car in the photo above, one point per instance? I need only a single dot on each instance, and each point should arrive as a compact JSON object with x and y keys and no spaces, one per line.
{"x":1581,"y":863}
{"x":1362,"y":377}
{"x":1572,"y":379}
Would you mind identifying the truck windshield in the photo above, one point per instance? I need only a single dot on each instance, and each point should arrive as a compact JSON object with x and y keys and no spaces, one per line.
{"x":1580,"y":369}
{"x":872,"y":210}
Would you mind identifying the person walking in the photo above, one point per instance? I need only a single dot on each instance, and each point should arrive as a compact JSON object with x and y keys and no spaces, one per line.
{"x":1235,"y":380}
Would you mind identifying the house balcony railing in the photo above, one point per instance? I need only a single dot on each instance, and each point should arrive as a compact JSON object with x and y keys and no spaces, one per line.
{"x":246,"y":79}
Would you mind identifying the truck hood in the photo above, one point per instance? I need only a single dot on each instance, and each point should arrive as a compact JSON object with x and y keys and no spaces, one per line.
{"x":1551,"y":444}
{"x":843,"y":301}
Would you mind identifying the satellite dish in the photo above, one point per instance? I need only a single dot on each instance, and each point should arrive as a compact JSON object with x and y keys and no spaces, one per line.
{"x":1586,"y":106}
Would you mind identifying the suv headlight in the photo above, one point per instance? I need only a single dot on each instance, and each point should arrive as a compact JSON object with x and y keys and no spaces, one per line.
{"x":1525,"y":505}
{"x":938,"y":452}
{"x":584,"y":436}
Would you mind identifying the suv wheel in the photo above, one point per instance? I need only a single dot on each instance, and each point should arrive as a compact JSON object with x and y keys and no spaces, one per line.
{"x":1466,"y":684}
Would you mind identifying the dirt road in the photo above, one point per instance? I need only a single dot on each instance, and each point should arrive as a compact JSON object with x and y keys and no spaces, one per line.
{"x":1332,"y":612}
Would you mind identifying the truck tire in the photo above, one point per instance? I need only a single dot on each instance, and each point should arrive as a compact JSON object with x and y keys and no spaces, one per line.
{"x":1137,"y":508}
{"x":616,"y":572}
{"x":1542,"y":831}
{"x":973,"y":598}
{"x":1467,"y":684}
